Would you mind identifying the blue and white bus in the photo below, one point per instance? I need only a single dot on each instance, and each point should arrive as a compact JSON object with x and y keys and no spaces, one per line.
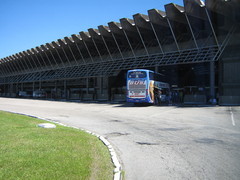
{"x":144,"y":86}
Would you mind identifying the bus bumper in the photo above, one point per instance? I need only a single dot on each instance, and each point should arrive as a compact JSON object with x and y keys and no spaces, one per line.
{"x":140,"y":100}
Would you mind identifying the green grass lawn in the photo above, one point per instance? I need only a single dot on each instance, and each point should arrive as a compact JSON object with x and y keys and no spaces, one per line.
{"x":31,"y":152}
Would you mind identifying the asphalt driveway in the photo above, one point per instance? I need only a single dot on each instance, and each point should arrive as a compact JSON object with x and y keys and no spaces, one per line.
{"x":154,"y":142}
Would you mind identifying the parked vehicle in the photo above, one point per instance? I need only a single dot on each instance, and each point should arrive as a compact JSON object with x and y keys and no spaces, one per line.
{"x":24,"y":94}
{"x":39,"y":94}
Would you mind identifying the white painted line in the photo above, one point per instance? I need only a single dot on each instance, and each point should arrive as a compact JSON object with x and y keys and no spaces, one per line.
{"x":232,"y":117}
{"x":117,"y":176}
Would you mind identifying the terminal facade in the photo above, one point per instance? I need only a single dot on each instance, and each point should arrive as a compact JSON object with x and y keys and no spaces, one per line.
{"x":195,"y":47}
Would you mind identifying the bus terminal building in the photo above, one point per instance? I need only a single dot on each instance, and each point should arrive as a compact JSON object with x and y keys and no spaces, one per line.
{"x":195,"y":47}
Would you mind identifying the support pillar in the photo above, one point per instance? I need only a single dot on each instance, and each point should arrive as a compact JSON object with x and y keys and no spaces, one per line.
{"x":17,"y":88}
{"x":33,"y":87}
{"x":87,"y":85}
{"x":117,"y":45}
{"x":129,"y":43}
{"x":65,"y":89}
{"x":11,"y":90}
{"x":40,"y":85}
{"x":212,"y":83}
{"x":101,"y":85}
{"x":55,"y":95}
{"x":174,"y":37}
{"x":4,"y":89}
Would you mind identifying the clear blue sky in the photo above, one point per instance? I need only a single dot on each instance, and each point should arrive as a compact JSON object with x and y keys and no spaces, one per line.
{"x":25,"y":24}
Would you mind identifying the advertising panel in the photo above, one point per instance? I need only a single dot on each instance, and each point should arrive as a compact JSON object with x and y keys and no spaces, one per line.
{"x":137,"y":88}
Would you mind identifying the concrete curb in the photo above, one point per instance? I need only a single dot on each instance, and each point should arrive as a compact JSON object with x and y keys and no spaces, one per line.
{"x":117,"y":170}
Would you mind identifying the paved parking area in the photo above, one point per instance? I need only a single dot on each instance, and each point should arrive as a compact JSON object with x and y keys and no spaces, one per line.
{"x":154,"y":142}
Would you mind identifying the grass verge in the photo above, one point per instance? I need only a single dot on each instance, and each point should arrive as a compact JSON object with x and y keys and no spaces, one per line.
{"x":30,"y":152}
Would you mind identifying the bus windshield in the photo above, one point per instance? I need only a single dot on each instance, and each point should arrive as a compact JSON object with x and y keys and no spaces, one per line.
{"x":137,"y":74}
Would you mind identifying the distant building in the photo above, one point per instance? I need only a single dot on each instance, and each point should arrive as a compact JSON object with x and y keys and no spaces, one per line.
{"x":196,"y":47}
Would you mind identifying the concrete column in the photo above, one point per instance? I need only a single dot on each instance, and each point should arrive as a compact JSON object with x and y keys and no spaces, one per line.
{"x":11,"y":89}
{"x":40,"y":85}
{"x":65,"y":89}
{"x":4,"y":88}
{"x":212,"y":83}
{"x":55,"y":90}
{"x":87,"y":85}
{"x":101,"y":85}
{"x":33,"y":87}
{"x":17,"y":88}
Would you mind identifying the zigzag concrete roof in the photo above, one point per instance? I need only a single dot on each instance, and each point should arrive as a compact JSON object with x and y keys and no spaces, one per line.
{"x":176,"y":29}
